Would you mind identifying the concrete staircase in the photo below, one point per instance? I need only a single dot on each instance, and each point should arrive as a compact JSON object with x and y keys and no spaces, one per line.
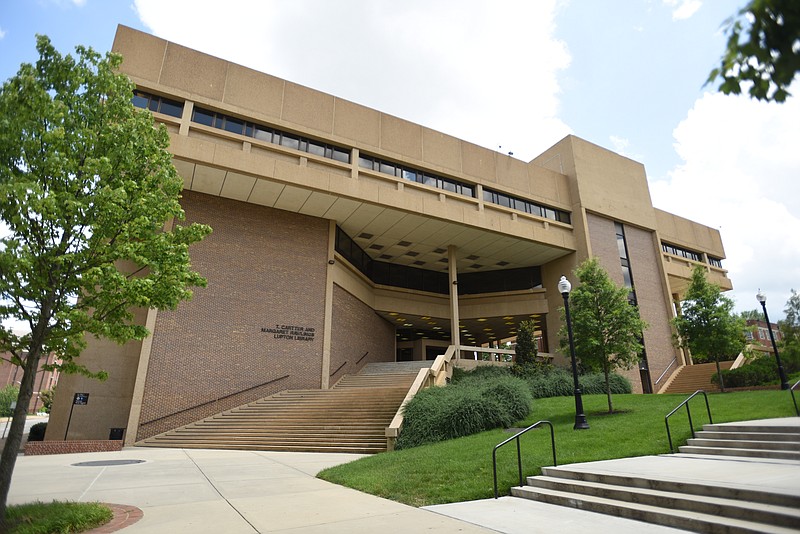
{"x":677,"y":490}
{"x":350,"y":417}
{"x":694,"y":377}
{"x":730,"y":439}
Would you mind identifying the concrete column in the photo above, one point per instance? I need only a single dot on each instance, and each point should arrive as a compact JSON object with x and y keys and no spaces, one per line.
{"x":186,"y":118}
{"x":452,"y":268}
{"x":326,"y":329}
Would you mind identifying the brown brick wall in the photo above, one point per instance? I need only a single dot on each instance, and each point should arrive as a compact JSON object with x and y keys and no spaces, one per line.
{"x":33,"y":448}
{"x":648,"y":281}
{"x":653,"y":306}
{"x":356,"y":329}
{"x":265,"y":267}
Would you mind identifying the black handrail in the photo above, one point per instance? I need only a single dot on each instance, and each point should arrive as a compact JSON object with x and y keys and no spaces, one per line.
{"x":689,"y":413}
{"x":791,"y":390}
{"x":361,"y":358}
{"x":339,"y":368}
{"x":215,"y":400}
{"x":519,"y":455}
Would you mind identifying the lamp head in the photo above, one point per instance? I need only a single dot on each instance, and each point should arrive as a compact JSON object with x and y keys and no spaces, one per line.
{"x":761,"y":297}
{"x":564,"y":286}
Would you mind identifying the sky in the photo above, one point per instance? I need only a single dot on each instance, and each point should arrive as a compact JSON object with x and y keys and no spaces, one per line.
{"x":513,"y":76}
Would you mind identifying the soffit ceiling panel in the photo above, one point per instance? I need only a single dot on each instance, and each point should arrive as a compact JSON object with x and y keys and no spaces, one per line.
{"x":237,"y":186}
{"x":317,"y":204}
{"x":342,"y":209}
{"x":265,"y":193}
{"x":185,"y":170}
{"x":208,"y":180}
{"x":292,"y":198}
{"x":361,"y":217}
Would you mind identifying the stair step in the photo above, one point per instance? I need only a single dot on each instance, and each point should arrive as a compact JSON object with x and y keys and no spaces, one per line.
{"x":675,"y":500}
{"x":745,"y":444}
{"x":724,"y":451}
{"x":683,"y":519}
{"x":351,"y":417}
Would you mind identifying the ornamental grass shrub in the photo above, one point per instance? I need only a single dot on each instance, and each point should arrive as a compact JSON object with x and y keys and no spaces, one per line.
{"x":470,"y":405}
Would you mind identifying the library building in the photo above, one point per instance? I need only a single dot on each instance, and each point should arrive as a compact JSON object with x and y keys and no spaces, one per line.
{"x":345,"y":238}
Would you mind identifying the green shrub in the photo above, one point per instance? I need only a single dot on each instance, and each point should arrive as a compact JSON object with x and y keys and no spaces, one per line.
{"x":558,"y":382}
{"x":595,"y":384}
{"x":761,"y":371}
{"x":476,"y":402}
{"x":8,"y":395}
{"x":37,"y":431}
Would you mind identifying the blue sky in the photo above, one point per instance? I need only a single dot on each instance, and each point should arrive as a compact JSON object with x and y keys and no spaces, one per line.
{"x":515,"y":76}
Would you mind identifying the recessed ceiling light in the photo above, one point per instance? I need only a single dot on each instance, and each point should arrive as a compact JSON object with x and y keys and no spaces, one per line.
{"x":404,"y":243}
{"x":364,"y":235}
{"x":508,"y":317}
{"x":408,"y":324}
{"x":481,"y":320}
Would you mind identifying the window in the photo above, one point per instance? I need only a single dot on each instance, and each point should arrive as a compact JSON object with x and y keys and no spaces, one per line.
{"x":682,"y":252}
{"x":158,"y":104}
{"x":269,"y":135}
{"x":415,"y":175}
{"x":527,"y":206}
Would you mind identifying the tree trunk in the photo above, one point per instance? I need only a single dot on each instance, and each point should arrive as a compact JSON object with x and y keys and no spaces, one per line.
{"x":14,"y":439}
{"x":719,"y":374}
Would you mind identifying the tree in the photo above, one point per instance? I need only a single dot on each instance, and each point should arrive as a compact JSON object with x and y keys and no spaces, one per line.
{"x":87,"y":194}
{"x":752,"y":315}
{"x":790,"y":326}
{"x":763,"y":50}
{"x":708,"y":327}
{"x":526,"y":348}
{"x":607,"y":329}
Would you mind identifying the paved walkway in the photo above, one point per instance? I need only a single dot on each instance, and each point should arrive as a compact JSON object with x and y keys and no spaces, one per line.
{"x":276,"y":492}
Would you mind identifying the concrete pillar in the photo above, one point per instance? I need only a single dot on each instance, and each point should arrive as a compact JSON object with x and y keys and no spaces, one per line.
{"x":452,"y":268}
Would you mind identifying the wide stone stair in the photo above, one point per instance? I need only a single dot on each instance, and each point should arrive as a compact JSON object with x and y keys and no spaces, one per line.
{"x":694,"y":377}
{"x":730,"y":439}
{"x":350,"y":417}
{"x":684,"y":497}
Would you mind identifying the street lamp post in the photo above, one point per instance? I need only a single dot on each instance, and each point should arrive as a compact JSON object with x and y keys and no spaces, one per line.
{"x":564,"y":288}
{"x":762,"y":298}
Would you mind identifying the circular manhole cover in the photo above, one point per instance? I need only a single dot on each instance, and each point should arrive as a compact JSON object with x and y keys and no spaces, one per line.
{"x":104,"y":463}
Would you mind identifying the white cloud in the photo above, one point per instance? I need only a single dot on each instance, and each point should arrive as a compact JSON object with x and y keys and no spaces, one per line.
{"x":484,"y":72}
{"x":739,"y":173}
{"x":2,"y":33}
{"x":683,"y":9}
{"x":79,"y":3}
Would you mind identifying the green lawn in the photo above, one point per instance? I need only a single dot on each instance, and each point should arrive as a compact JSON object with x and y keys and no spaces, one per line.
{"x":461,"y":469}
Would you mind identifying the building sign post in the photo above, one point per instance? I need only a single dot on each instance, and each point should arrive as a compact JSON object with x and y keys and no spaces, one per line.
{"x":79,"y":399}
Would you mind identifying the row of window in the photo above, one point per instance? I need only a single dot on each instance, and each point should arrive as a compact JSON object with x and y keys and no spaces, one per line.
{"x":682,"y":252}
{"x":270,"y":135}
{"x":157,"y":103}
{"x":414,"y":175}
{"x":525,"y":205}
{"x":690,"y":255}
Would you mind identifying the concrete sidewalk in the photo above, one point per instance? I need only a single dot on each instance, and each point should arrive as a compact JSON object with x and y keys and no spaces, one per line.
{"x":271,"y":492}
{"x":276,"y":492}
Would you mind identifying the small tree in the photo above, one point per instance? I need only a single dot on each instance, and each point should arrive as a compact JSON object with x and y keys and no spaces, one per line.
{"x":87,"y":188}
{"x":526,"y":349}
{"x":790,"y":326}
{"x":708,"y":327}
{"x":607,"y":328}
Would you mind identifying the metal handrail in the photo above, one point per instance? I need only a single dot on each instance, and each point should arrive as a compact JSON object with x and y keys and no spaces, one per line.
{"x":215,"y":400}
{"x":689,"y":413}
{"x":791,"y":390}
{"x":519,"y":455}
{"x":674,"y":360}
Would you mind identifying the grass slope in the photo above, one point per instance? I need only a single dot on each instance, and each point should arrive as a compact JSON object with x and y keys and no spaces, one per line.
{"x":461,"y":469}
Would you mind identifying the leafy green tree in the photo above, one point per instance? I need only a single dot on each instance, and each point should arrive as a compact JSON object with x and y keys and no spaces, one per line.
{"x":607,"y":329}
{"x":708,"y":327}
{"x":790,"y":326}
{"x":752,"y":315}
{"x":526,"y":349}
{"x":762,"y":50}
{"x":7,"y":395}
{"x":88,"y":194}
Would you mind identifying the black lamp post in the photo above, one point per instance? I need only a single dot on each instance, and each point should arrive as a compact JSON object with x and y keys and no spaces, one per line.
{"x":762,"y":298}
{"x":564,"y":288}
